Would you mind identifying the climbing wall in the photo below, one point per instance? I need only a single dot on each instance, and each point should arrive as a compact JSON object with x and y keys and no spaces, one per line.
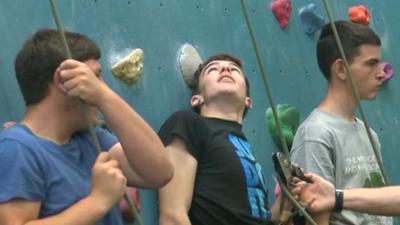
{"x":161,"y":27}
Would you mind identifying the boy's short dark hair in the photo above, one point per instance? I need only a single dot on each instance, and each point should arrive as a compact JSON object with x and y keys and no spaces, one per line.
{"x":40,"y":56}
{"x":220,"y":56}
{"x":352,"y":36}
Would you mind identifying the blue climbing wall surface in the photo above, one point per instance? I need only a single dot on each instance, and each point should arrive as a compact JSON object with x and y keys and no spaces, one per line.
{"x":161,"y":27}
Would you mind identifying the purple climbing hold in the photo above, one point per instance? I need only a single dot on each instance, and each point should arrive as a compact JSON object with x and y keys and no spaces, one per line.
{"x":388,"y":70}
{"x":282,"y":10}
{"x":311,"y":21}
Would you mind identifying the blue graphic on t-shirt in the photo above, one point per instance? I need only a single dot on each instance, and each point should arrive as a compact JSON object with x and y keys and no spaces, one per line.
{"x":254,"y":178}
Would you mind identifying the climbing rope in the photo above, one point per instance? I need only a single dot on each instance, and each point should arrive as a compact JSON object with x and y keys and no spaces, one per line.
{"x":69,"y":56}
{"x":266,"y":82}
{"x":355,"y":90}
{"x":274,"y":112}
{"x":85,"y":108}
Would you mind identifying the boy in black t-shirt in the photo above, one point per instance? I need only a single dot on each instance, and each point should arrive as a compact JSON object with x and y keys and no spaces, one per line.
{"x":217,"y":179}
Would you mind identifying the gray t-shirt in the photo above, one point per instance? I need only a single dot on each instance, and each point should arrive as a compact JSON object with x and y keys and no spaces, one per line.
{"x":340,"y":152}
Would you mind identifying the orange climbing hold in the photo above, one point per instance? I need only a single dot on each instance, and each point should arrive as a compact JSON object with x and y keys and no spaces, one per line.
{"x":359,"y":14}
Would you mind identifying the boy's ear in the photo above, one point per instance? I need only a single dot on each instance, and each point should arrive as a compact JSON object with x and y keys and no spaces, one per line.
{"x":248,"y":102}
{"x":196,"y":100}
{"x":57,"y":81}
{"x":339,"y":70}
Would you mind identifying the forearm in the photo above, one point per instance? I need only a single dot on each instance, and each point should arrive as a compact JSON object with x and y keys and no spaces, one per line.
{"x":320,"y":218}
{"x":174,"y":218}
{"x":380,"y":201}
{"x":275,"y":210}
{"x":143,"y":149}
{"x":87,"y":211}
{"x":276,"y":207}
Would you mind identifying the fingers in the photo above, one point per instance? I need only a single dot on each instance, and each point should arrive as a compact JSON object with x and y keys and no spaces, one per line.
{"x":311,"y":205}
{"x":70,"y":85}
{"x":308,"y":204}
{"x":106,"y":165}
{"x":66,"y":67}
{"x":299,"y":184}
{"x":69,"y":64}
{"x":295,"y":180}
{"x":59,"y":83}
{"x":296,"y":191}
{"x":116,"y":172}
{"x":112,"y":163}
{"x":70,"y":69}
{"x":311,"y":177}
{"x":81,"y":71}
{"x":82,"y":80}
{"x":103,"y":157}
{"x":108,"y":180}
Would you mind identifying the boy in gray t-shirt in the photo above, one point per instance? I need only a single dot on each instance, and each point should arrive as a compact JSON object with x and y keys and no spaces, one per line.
{"x":332,"y":142}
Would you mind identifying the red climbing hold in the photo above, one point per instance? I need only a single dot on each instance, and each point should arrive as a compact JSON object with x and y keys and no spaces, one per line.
{"x":359,"y":14}
{"x":282,"y":10}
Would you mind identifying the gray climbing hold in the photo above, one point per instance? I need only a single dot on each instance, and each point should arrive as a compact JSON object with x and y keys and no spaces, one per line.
{"x":189,"y":61}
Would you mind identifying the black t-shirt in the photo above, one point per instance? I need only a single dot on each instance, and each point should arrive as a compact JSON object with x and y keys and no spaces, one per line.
{"x":229,"y":186}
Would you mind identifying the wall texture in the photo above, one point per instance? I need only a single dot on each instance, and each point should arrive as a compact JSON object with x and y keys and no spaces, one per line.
{"x":160,"y":27}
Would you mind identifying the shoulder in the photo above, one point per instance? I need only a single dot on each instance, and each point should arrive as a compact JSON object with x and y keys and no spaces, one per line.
{"x":20,"y":149}
{"x":184,"y":119}
{"x":15,"y":139}
{"x":105,"y":137}
{"x":315,"y":126}
{"x":16,"y":132}
{"x":315,"y":133}
{"x":361,"y":124}
{"x":185,"y":115}
{"x":23,"y":165}
{"x":189,"y":127}
{"x":14,"y":149}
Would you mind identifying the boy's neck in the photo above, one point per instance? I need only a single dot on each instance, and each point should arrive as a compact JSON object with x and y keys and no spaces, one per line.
{"x":340,"y":103}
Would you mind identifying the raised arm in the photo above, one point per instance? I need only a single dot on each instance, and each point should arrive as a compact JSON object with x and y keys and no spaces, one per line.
{"x":141,"y":154}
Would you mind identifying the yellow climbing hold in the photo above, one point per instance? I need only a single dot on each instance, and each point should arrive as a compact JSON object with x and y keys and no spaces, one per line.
{"x":129,"y":68}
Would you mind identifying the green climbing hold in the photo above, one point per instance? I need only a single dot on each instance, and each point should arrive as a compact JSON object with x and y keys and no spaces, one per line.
{"x":375,"y":180}
{"x":289,"y":118}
